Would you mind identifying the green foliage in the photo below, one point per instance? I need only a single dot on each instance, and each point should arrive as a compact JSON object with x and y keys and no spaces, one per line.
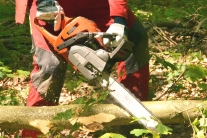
{"x":95,"y":97}
{"x":15,"y":39}
{"x":163,"y":129}
{"x":165,"y":63}
{"x":160,"y":130}
{"x":4,"y":70}
{"x":112,"y":135}
{"x":75,"y":127}
{"x":23,"y":73}
{"x":68,"y":114}
{"x":76,"y":80}
{"x":140,"y":132}
{"x":9,"y":97}
{"x":188,"y":70}
{"x":199,"y":125}
{"x":195,"y":72}
{"x":168,"y":10}
{"x":64,"y":115}
{"x":177,"y":87}
{"x":7,"y":10}
{"x":71,"y":84}
{"x":202,"y":86}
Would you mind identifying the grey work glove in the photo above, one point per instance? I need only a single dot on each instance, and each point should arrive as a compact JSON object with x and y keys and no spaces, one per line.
{"x":50,"y":10}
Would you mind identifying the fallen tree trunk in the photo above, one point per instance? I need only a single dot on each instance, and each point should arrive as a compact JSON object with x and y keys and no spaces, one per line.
{"x":95,"y":117}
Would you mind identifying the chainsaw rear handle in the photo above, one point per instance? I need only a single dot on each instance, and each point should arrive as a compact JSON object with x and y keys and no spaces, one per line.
{"x":52,"y":39}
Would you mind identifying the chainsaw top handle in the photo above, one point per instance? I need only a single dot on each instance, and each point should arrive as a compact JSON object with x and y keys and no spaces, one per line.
{"x":77,"y":28}
{"x":87,"y":36}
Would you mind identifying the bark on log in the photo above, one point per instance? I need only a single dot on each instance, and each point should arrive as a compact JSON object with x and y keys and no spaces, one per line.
{"x":95,"y":117}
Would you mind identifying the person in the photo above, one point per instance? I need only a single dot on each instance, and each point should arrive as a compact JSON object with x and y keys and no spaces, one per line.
{"x":112,"y":16}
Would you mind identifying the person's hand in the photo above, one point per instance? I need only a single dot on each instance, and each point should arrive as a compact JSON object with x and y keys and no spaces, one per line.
{"x":119,"y":30}
{"x":50,"y":10}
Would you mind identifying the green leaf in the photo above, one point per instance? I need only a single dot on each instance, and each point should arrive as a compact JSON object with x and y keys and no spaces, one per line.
{"x":162,"y":129}
{"x":195,"y":122}
{"x":151,"y":94}
{"x":23,"y":73}
{"x":81,"y":100}
{"x":139,"y":132}
{"x":71,"y":84}
{"x":203,"y":122}
{"x":5,"y":69}
{"x":64,"y":115}
{"x":135,"y":119}
{"x":195,"y":129}
{"x":196,"y":54}
{"x":112,"y":135}
{"x":75,"y":127}
{"x":103,"y":95}
{"x":2,"y":98}
{"x":168,"y":64}
{"x":200,"y":134}
{"x":155,"y":135}
{"x":1,"y":74}
{"x":204,"y":113}
{"x":202,"y":86}
{"x":175,"y":55}
{"x":165,"y":63}
{"x":195,"y":72}
{"x":177,"y":87}
{"x":82,"y":78}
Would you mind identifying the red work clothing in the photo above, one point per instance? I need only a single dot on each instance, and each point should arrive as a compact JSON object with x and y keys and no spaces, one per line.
{"x":47,"y":77}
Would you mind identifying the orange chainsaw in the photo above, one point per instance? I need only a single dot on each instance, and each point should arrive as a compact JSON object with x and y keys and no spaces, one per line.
{"x":79,"y":43}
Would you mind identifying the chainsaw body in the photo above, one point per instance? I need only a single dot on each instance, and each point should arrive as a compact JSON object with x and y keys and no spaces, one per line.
{"x":79,"y":46}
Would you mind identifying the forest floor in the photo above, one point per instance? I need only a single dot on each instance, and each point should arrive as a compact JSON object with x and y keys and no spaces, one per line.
{"x":21,"y":85}
{"x":160,"y":87}
{"x":67,"y":97}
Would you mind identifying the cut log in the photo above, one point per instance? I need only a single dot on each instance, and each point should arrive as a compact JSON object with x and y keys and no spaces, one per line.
{"x":95,"y":117}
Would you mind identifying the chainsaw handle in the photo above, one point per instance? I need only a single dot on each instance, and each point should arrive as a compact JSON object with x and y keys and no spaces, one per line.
{"x":51,"y":38}
{"x":111,"y":37}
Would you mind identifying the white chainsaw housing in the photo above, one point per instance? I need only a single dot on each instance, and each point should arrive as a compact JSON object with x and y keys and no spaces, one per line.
{"x":87,"y":61}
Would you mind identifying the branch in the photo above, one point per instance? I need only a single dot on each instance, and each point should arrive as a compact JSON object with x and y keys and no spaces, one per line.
{"x":98,"y":116}
{"x":166,"y":91}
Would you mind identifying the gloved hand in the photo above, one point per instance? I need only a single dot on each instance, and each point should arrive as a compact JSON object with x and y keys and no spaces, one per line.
{"x":118,"y":29}
{"x":50,"y":10}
